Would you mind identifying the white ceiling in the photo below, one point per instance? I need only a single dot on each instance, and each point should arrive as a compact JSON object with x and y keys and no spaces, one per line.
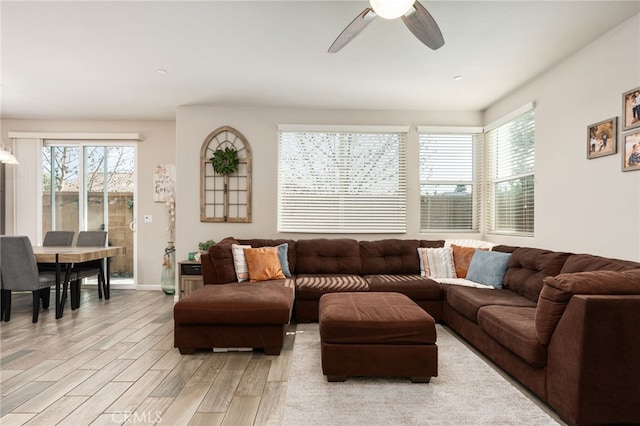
{"x":99,"y":60}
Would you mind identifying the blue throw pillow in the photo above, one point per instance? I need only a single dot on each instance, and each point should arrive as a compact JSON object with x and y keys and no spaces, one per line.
{"x":284,"y":260}
{"x":488,"y":267}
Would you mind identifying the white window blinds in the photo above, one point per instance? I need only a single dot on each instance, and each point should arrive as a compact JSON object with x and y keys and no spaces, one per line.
{"x":450,"y":173}
{"x":510,"y":174}
{"x":342,"y":181}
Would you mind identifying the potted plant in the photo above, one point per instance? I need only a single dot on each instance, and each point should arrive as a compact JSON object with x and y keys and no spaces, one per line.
{"x":203,"y":246}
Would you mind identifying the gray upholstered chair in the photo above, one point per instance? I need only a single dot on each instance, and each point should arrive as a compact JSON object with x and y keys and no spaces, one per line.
{"x":19,"y":272}
{"x":89,"y":269}
{"x":58,"y":238}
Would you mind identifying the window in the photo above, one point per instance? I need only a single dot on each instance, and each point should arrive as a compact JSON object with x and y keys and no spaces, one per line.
{"x":342,"y":181}
{"x":450,"y":173}
{"x":510,"y":174}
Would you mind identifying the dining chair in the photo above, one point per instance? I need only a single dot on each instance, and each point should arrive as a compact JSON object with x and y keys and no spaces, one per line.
{"x":19,"y":272}
{"x":88,"y":269}
{"x":58,"y":238}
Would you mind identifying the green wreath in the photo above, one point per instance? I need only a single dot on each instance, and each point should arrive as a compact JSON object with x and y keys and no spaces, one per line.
{"x":225,"y":161}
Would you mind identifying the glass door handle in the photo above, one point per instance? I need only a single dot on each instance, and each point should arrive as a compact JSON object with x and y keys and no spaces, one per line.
{"x":132,"y":225}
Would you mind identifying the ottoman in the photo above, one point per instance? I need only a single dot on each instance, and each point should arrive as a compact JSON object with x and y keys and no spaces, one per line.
{"x":376,"y":334}
{"x":239,"y":315}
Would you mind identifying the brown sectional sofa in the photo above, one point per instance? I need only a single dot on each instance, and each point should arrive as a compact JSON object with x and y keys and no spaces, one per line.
{"x":567,"y":326}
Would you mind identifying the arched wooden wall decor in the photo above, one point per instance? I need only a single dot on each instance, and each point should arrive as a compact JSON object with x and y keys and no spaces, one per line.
{"x":225,"y":198}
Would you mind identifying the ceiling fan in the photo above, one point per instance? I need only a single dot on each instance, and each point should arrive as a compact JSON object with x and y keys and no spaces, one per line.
{"x":413,"y":14}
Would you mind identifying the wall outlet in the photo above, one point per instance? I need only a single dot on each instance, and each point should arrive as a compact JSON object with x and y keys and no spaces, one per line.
{"x":148,"y":218}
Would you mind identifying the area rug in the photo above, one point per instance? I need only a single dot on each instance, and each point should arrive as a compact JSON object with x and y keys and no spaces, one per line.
{"x":467,"y":391}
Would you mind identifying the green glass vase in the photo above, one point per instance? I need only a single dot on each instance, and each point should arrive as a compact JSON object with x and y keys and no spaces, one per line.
{"x":168,"y":277}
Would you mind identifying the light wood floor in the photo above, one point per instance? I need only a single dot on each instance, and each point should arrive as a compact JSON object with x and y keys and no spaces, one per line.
{"x":113,"y":362}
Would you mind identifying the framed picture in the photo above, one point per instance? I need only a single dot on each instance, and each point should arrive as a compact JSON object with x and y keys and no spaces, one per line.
{"x":631,"y":152}
{"x":602,"y":138}
{"x":163,"y":180}
{"x":631,"y":109}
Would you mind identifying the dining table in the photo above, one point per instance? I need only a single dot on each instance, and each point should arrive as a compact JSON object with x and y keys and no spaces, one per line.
{"x":65,"y":256}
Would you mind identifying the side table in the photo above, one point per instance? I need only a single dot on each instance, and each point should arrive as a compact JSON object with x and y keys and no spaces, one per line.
{"x":190,"y":275}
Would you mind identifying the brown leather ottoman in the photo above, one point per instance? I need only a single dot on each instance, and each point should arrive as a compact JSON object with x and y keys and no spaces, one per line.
{"x":239,"y":315}
{"x":376,"y":334}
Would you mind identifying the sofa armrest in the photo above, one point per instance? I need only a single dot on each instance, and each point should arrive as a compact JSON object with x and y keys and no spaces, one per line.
{"x":558,"y":291}
{"x":593,"y":369}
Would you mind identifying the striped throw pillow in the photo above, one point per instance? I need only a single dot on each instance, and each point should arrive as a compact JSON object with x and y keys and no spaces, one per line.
{"x":436,"y":262}
{"x":239,"y":262}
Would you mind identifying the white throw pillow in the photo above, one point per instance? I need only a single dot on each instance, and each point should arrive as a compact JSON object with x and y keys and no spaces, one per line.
{"x":436,"y":262}
{"x":470,"y":243}
{"x":463,"y":282}
{"x":239,"y":262}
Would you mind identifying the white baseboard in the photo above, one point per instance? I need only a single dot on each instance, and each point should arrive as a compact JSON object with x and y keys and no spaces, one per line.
{"x":124,"y":286}
{"x":140,"y":286}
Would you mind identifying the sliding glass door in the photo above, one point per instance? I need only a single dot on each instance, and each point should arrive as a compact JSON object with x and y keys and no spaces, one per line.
{"x":90,"y":187}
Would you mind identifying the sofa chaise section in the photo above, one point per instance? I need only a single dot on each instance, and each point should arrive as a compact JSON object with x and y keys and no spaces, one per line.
{"x":241,"y":315}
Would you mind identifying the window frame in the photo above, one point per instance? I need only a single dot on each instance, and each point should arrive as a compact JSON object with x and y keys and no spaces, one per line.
{"x":351,"y":214}
{"x":494,"y":177}
{"x":476,"y":180}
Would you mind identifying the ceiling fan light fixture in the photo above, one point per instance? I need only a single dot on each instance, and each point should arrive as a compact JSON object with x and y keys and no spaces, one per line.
{"x":391,"y":9}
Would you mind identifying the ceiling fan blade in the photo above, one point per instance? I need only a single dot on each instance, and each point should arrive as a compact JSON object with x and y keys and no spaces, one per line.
{"x":423,"y":26}
{"x":353,"y":29}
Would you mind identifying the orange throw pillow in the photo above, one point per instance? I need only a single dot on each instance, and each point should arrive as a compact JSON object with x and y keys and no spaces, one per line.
{"x":462,"y":258}
{"x":263,"y":264}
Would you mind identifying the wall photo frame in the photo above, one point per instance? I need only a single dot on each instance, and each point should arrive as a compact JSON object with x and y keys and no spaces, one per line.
{"x":602,"y":138}
{"x":631,"y":109}
{"x":631,"y":152}
{"x":163,"y":181}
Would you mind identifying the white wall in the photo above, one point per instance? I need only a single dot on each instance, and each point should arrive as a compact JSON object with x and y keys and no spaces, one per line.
{"x":158,"y":147}
{"x":260,"y":127}
{"x":583,"y":205}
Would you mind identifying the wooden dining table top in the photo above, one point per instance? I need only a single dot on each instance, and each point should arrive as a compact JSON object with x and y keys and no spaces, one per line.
{"x":74,"y":254}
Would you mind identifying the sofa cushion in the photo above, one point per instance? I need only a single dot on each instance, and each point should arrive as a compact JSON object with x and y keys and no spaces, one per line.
{"x":462,"y":258}
{"x":504,"y":248}
{"x":239,"y":262}
{"x":221,"y":259}
{"x":312,"y":287}
{"x":239,"y":303}
{"x":263,"y":264}
{"x":374,"y":318}
{"x":528,"y":267}
{"x":513,"y":327}
{"x":283,"y":250}
{"x":467,"y":300}
{"x":558,"y":290}
{"x":390,"y":256}
{"x":488,"y":267}
{"x":588,"y":262}
{"x":413,"y":286}
{"x":328,"y":256}
{"x":431,"y":243}
{"x":469,"y":243}
{"x":436,"y":262}
{"x":291,"y":248}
